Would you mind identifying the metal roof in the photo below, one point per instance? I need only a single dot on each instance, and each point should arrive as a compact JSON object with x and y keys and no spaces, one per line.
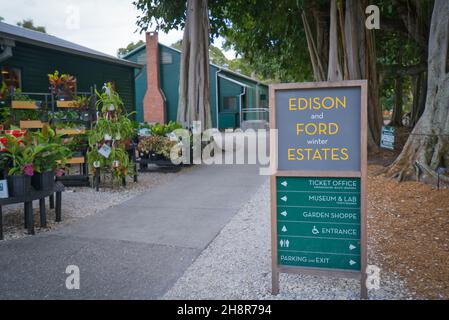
{"x":44,"y":40}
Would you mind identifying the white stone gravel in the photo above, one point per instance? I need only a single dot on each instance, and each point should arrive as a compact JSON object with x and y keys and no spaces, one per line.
{"x":237,"y":265}
{"x":78,"y":203}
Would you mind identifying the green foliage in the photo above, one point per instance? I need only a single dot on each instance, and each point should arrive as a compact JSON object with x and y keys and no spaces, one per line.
{"x":109,"y":101}
{"x":19,"y":96}
{"x":19,"y":154}
{"x":82,"y":102}
{"x":130,"y":47}
{"x":162,"y":129}
{"x":25,"y":114}
{"x":112,"y":128}
{"x":268,"y":34}
{"x":29,"y":24}
{"x":50,"y":152}
{"x":157,"y":144}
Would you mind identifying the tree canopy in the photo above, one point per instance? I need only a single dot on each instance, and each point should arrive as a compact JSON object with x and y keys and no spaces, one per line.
{"x":130,"y":47}
{"x":299,"y":40}
{"x":29,"y":24}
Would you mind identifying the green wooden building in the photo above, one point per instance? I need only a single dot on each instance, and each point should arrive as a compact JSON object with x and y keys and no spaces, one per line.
{"x":27,"y":56}
{"x":234,"y":98}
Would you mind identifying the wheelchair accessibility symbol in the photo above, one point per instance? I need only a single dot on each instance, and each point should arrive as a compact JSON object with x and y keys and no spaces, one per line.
{"x":315,"y":230}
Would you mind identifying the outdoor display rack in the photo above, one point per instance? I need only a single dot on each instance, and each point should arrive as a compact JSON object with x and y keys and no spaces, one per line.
{"x":84,"y":119}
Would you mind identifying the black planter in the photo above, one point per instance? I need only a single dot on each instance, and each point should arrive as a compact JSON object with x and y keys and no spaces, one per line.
{"x":19,"y":186}
{"x":43,"y":181}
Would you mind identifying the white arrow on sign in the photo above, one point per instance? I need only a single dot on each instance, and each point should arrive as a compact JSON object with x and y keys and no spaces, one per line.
{"x":284,"y":229}
{"x":284,"y":198}
{"x":284,"y":213}
{"x":352,"y":262}
{"x":352,"y":247}
{"x":284,"y":183}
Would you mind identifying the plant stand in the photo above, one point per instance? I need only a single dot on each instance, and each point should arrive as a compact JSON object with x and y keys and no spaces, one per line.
{"x":28,"y":207}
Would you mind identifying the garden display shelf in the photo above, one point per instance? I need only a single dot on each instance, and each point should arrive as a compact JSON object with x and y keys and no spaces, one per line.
{"x":31,"y":124}
{"x":81,"y":179}
{"x":28,"y":206}
{"x":29,"y":105}
{"x":66,"y":104}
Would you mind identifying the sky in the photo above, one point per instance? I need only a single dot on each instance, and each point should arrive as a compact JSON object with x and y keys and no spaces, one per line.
{"x":103,"y":25}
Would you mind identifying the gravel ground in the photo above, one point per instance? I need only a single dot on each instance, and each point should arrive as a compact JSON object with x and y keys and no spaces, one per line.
{"x":237,"y":265}
{"x":78,"y":203}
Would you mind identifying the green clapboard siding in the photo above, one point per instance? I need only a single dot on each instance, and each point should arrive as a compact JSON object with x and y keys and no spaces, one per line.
{"x":36,"y":63}
{"x":169,"y":80}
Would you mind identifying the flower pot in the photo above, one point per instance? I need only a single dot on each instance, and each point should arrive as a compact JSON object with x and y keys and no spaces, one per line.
{"x":19,"y":186}
{"x":43,"y":181}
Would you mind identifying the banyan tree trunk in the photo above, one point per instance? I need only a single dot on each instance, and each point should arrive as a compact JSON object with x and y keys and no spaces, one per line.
{"x":428,"y":145}
{"x":396,"y":118}
{"x":334,"y":71}
{"x":361,"y":61}
{"x":194,"y":90}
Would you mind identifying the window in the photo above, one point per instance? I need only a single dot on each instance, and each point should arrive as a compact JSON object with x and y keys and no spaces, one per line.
{"x":10,"y":78}
{"x":229,"y":103}
{"x":166,"y":58}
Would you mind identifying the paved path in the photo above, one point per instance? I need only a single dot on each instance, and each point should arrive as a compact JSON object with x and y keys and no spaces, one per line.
{"x":136,"y":250}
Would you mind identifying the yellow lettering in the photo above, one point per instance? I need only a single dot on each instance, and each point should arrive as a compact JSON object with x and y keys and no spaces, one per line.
{"x":302,"y":106}
{"x":291,"y":157}
{"x":340,"y":102}
{"x":344,"y":153}
{"x":291,"y":104}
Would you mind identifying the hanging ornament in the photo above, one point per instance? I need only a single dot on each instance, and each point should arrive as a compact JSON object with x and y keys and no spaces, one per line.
{"x":111,"y":107}
{"x":96,"y":164}
{"x":115,"y":164}
{"x":107,"y":137}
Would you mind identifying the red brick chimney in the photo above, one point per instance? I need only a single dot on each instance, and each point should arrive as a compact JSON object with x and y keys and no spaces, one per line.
{"x":153,"y":102}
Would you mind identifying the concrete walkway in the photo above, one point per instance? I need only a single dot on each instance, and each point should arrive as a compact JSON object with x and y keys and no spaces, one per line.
{"x":136,"y":250}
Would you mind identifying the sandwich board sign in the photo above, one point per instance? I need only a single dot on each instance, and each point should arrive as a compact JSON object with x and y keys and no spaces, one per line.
{"x":318,"y":189}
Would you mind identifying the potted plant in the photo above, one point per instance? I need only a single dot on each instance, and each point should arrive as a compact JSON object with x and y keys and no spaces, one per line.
{"x":22,"y":101}
{"x":18,"y":158}
{"x":156,"y":148}
{"x":50,"y":155}
{"x":64,"y":87}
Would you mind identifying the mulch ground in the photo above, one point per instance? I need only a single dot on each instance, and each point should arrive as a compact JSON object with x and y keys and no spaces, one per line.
{"x":408,"y":232}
